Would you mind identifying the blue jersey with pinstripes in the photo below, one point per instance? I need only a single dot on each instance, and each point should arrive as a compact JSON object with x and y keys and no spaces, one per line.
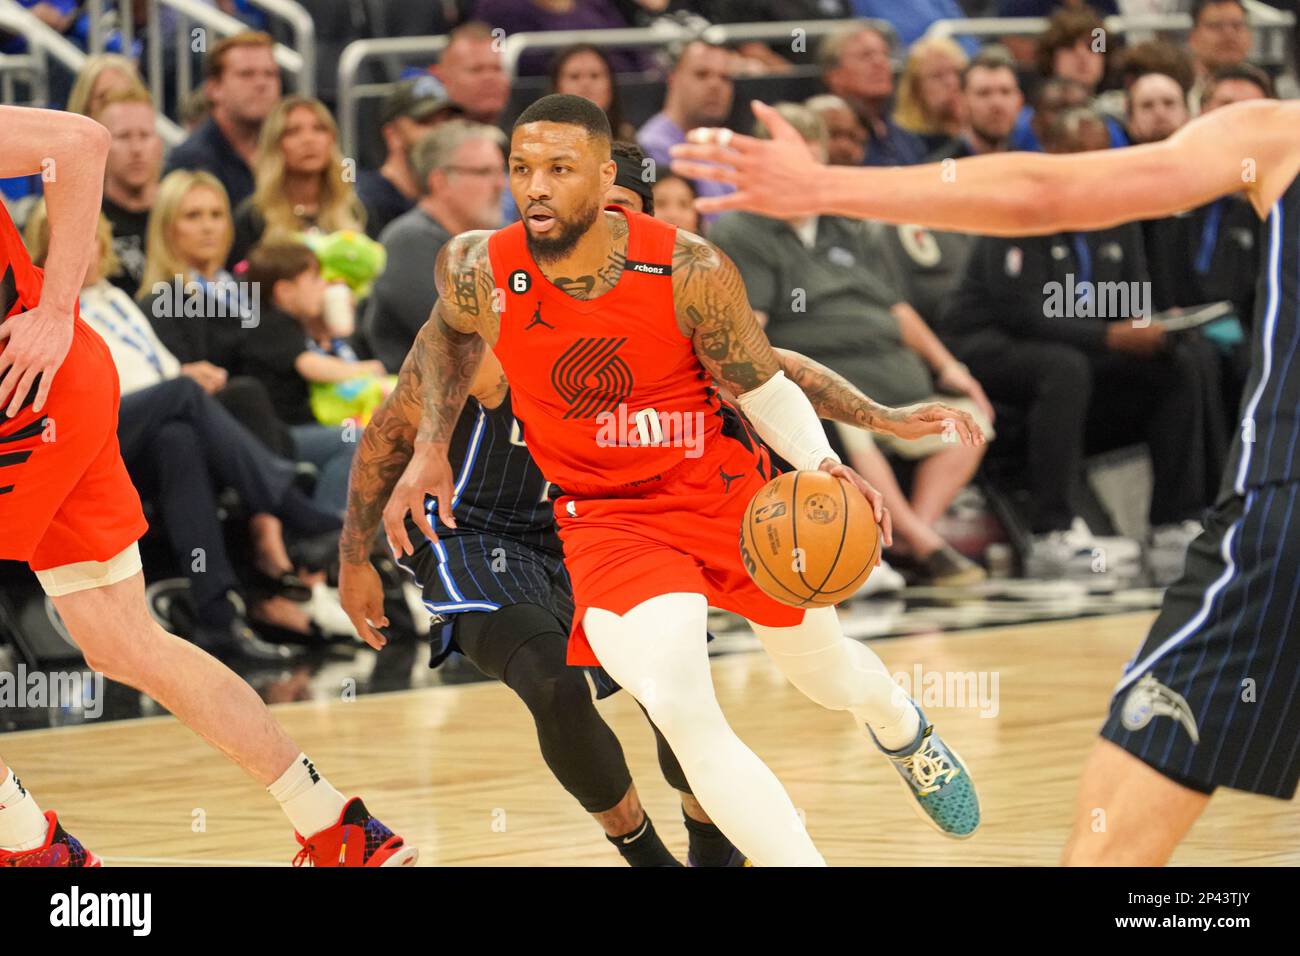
{"x":499,"y":489}
{"x":1267,"y":447}
{"x":504,"y":549}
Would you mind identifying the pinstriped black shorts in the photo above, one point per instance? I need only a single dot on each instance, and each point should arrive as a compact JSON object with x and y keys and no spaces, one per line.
{"x":1212,"y":698}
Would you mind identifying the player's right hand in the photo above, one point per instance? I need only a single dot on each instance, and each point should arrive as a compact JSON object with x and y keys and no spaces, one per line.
{"x":428,"y":472}
{"x":362,"y":595}
{"x":36,"y":343}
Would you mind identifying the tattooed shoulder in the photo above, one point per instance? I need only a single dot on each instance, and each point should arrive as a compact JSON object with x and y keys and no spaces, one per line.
{"x":693,"y":259}
{"x":713,"y":309}
{"x":463,"y":274}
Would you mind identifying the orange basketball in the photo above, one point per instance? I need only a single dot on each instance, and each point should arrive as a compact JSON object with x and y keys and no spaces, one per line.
{"x":809,"y":539}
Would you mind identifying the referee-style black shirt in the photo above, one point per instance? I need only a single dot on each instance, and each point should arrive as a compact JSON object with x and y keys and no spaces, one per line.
{"x":1207,"y":254}
{"x":1007,"y":281}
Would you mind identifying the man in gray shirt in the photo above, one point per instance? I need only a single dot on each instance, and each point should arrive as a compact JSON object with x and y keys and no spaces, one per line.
{"x":460,"y":171}
{"x":822,"y":286}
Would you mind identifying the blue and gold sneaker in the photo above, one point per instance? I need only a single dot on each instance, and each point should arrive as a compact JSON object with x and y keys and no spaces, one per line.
{"x":938,"y":781}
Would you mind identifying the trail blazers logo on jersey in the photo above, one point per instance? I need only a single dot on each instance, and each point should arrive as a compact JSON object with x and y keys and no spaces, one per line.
{"x":591,"y":377}
{"x":1150,"y":699}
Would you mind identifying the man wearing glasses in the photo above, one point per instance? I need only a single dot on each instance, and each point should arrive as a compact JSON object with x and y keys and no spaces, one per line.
{"x":459,"y":169}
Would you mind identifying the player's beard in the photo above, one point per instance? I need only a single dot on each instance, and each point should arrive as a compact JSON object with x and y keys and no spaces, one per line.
{"x":561,"y":240}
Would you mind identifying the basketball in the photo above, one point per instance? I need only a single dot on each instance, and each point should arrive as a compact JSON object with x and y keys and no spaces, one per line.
{"x":809,"y":539}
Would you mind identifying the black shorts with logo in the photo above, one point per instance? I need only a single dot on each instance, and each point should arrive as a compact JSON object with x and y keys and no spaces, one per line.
{"x":1212,"y":698}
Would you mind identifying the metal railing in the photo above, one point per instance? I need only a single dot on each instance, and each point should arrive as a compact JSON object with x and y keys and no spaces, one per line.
{"x":350,"y":93}
{"x":46,"y":44}
{"x":15,"y":65}
{"x":304,"y":38}
{"x":188,"y":12}
{"x":662,"y":33}
{"x":1269,"y":25}
{"x":302,"y":64}
{"x":727,"y":33}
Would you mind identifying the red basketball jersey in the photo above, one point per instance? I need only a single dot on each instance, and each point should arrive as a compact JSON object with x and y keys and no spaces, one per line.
{"x":20,"y":281}
{"x":609,"y":392}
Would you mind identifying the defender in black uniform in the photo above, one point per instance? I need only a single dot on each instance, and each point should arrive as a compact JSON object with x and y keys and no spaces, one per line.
{"x":1213,"y":696}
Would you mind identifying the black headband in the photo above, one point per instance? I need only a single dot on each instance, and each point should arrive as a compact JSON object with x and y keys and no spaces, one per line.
{"x":630,"y":175}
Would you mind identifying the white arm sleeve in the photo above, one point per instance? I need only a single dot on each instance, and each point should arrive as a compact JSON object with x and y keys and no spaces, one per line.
{"x":785,"y":419}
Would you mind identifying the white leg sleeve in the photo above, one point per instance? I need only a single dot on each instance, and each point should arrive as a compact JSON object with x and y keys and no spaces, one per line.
{"x":657,"y":651}
{"x":841,"y":674}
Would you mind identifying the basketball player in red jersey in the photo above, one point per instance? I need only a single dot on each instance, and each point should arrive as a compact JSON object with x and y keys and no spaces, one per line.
{"x":611,"y":327}
{"x":1181,"y":723}
{"x":68,"y":509}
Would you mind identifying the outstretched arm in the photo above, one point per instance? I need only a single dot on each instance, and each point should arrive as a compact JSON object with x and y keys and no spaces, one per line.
{"x":69,"y":152}
{"x":835,"y":398}
{"x":1249,"y":146}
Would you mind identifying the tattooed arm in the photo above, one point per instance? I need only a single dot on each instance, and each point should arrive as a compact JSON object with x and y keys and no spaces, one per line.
{"x":835,"y":398}
{"x":713,"y":309}
{"x":450,"y":348}
{"x":453,"y":338}
{"x":387,"y":446}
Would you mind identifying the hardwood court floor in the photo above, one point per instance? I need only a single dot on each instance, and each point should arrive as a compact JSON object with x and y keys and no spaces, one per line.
{"x":456,"y":769}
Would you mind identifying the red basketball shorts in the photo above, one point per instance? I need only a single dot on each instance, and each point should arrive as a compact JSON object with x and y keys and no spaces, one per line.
{"x":679,"y":534}
{"x":65,"y":496}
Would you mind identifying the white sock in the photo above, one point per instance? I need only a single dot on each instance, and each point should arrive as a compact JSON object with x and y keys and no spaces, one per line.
{"x":307,"y":798}
{"x":841,"y":674}
{"x":22,"y":824}
{"x":657,"y":652}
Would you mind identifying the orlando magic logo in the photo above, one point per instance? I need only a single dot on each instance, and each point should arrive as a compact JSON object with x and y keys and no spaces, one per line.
{"x":591,"y":378}
{"x":1150,"y":699}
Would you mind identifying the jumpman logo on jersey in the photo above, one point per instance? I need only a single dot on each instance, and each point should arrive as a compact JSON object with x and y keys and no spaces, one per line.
{"x":537,"y":319}
{"x":728,"y":479}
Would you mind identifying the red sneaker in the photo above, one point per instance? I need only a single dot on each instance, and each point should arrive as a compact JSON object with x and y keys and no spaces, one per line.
{"x":358,"y":839}
{"x":60,"y":849}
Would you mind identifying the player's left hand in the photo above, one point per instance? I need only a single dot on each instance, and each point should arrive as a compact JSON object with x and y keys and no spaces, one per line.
{"x":36,"y":343}
{"x":874,"y":497}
